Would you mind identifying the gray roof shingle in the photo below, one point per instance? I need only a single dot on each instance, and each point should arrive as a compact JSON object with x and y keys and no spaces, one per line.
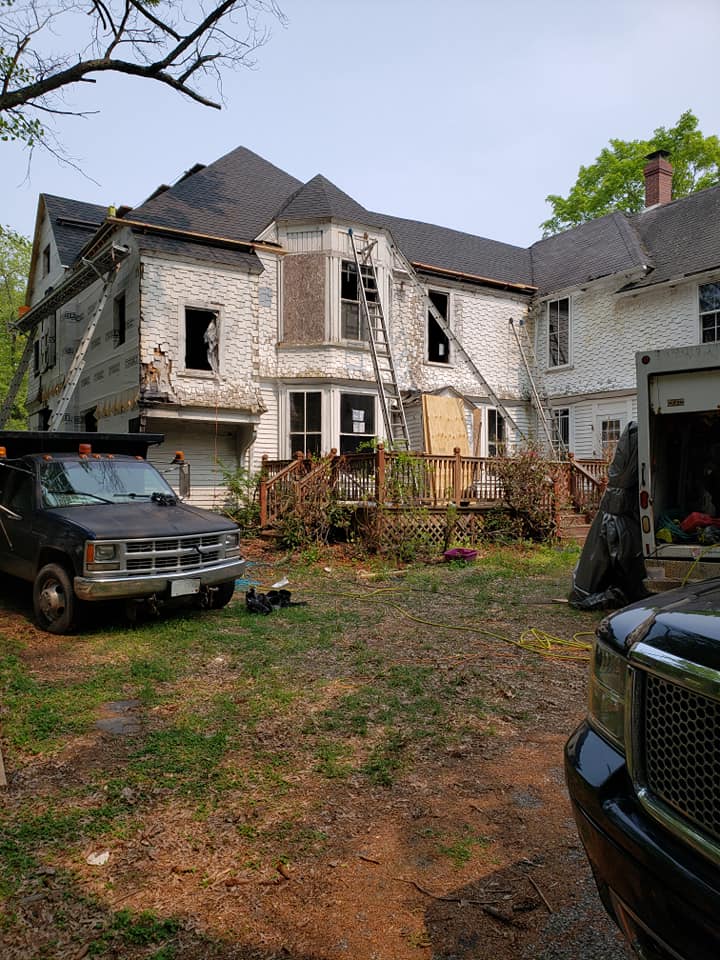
{"x":600,"y":248}
{"x":215,"y":253}
{"x":73,"y":223}
{"x":236,"y":197}
{"x":320,"y":199}
{"x":460,"y":252}
{"x":683,"y":237}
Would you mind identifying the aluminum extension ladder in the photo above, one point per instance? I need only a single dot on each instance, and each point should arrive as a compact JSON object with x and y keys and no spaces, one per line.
{"x":391,"y":405}
{"x":527,"y":354}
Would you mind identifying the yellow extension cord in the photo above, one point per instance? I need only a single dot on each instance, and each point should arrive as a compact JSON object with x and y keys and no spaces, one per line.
{"x":533,"y":640}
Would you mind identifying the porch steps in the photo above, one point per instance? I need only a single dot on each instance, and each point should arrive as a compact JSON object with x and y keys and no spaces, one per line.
{"x":572,"y":526}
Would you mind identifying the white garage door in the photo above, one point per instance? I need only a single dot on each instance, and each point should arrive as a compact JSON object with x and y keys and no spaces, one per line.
{"x":207,"y":452}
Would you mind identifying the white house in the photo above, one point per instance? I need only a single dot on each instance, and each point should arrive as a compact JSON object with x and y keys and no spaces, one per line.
{"x":232,"y":322}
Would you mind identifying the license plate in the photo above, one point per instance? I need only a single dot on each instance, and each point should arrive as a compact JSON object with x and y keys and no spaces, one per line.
{"x":183,"y":588}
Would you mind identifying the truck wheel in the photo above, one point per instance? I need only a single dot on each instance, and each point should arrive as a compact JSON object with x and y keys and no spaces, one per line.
{"x":222,"y":595}
{"x":54,"y":600}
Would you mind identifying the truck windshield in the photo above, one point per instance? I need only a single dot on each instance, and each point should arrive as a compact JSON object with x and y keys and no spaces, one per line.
{"x":69,"y":483}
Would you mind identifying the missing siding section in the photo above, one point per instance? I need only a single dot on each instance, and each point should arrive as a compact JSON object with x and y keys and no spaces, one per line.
{"x":156,"y":376}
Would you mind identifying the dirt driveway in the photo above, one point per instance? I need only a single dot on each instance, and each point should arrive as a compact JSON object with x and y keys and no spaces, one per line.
{"x":376,"y":775}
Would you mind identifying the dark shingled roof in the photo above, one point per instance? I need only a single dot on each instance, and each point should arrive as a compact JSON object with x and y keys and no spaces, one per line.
{"x":593,"y":250}
{"x":178,"y":246}
{"x":683,"y":237}
{"x":462,"y":252}
{"x":73,"y":223}
{"x":320,"y":199}
{"x":236,"y":197}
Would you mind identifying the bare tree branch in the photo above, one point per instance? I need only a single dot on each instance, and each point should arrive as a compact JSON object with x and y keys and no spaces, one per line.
{"x":153,"y":39}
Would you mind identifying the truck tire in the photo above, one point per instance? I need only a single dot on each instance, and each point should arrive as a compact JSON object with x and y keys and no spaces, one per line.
{"x":222,"y":595}
{"x":54,"y":600}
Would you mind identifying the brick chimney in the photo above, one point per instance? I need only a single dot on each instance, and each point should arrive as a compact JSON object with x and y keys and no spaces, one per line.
{"x":658,"y":178}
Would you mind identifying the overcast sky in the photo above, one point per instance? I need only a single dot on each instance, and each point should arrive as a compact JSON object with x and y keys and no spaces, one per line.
{"x":461,"y":113}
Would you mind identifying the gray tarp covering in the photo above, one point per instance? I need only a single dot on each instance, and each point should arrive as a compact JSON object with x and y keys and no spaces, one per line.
{"x":611,"y":570}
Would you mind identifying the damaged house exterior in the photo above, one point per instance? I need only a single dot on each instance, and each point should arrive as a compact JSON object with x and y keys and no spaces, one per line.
{"x":226,"y":312}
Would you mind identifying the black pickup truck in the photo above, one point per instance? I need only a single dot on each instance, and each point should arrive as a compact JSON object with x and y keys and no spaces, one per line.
{"x":85,"y":517}
{"x":643,"y":772}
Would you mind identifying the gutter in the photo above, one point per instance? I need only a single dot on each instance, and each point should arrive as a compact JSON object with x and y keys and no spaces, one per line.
{"x":247,"y":246}
{"x":474,"y":278}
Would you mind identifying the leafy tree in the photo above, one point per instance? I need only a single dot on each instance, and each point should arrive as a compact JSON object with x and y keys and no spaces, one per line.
{"x":615,"y":180}
{"x":14,"y":268}
{"x":182,"y":45}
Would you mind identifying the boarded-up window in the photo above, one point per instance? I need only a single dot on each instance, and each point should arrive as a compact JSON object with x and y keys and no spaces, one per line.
{"x":304,"y":298}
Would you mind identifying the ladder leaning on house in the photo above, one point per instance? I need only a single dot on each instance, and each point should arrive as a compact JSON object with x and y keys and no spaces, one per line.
{"x":538,"y":398}
{"x":391,"y":404}
{"x":104,"y":267}
{"x":453,"y":338}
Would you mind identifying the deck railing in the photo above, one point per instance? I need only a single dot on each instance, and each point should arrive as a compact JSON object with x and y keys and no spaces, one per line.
{"x":390,"y":478}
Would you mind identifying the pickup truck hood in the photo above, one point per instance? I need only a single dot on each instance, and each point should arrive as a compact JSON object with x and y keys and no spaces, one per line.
{"x":684,"y":623}
{"x":141,"y":519}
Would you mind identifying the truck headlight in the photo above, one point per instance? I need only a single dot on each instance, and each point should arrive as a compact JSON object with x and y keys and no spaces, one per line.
{"x":232,"y":542}
{"x":101,"y":556}
{"x":606,"y":706}
{"x":105,"y":551}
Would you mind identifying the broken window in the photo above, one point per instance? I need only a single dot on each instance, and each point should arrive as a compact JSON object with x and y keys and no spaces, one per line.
{"x":710,"y":312}
{"x":46,"y":261}
{"x":306,"y":422}
{"x":357,"y":420}
{"x":496,"y":433}
{"x":559,"y":332}
{"x":353,"y":325}
{"x":201,"y":339}
{"x":561,"y":419}
{"x":119,"y":320}
{"x":438,"y":345}
{"x":90,"y":423}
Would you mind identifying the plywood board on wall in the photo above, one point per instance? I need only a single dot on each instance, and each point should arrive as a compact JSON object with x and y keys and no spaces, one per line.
{"x":444,"y":425}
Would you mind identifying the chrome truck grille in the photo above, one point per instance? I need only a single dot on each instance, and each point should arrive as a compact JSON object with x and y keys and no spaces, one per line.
{"x":681,"y":752}
{"x":173,"y":554}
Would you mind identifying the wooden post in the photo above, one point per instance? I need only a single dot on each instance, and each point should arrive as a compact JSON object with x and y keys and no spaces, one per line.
{"x":380,"y":474}
{"x":457,"y":476}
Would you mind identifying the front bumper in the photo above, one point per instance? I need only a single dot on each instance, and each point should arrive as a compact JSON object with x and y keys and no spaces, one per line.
{"x":663,"y":895}
{"x":129,"y":588}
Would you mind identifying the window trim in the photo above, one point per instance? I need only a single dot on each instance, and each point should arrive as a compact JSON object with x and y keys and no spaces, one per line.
{"x":568,"y":362}
{"x":181,"y":369}
{"x":447,"y":292}
{"x":556,"y":415}
{"x":704,"y":313}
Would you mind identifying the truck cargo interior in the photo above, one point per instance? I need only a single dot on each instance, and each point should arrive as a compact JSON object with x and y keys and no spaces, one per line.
{"x":687,"y":445}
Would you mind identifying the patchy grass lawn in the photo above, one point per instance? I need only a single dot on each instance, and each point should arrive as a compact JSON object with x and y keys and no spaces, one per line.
{"x":305,"y":784}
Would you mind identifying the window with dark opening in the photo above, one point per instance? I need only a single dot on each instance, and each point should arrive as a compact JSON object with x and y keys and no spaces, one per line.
{"x":561,"y":419}
{"x":357,"y":420}
{"x":119,"y":320}
{"x":43,"y":418}
{"x":438,"y":345}
{"x":496,"y":434}
{"x":90,"y":423}
{"x":353,"y":324}
{"x":306,"y":422}
{"x":201,"y":343}
{"x":46,"y":261}
{"x":710,"y":312}
{"x":36,"y":357}
{"x":559,"y":332}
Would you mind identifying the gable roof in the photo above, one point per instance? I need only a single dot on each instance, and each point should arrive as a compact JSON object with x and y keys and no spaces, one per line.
{"x":235,"y":197}
{"x":73,"y":223}
{"x":596,"y":249}
{"x":683,"y":237}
